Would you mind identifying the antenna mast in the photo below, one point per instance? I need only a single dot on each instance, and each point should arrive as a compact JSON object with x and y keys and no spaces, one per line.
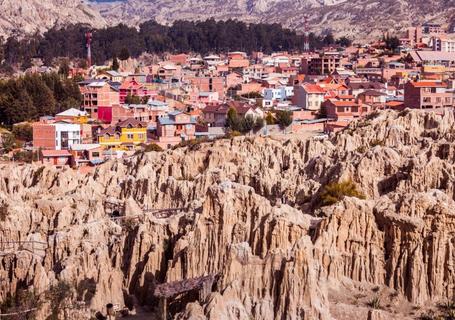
{"x":88,"y":44}
{"x":306,"y":41}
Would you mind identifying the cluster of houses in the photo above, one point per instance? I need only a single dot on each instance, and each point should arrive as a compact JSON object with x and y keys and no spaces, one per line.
{"x":188,"y":96}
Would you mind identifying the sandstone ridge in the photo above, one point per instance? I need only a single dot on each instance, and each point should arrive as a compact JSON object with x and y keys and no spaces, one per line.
{"x":250,"y":216}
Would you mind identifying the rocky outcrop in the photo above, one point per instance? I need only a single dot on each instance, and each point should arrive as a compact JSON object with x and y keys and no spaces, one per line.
{"x":249,"y":214}
{"x":357,"y":18}
{"x":31,"y":16}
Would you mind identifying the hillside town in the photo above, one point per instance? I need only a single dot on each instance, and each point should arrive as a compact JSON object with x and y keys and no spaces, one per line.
{"x":132,"y":105}
{"x":227,"y":160}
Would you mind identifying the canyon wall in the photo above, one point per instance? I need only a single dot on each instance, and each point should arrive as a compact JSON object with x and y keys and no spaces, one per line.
{"x":249,"y":213}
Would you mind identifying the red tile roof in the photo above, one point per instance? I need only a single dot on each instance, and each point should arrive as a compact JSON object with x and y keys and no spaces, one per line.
{"x":339,"y":103}
{"x":313,"y":88}
{"x":425,"y":84}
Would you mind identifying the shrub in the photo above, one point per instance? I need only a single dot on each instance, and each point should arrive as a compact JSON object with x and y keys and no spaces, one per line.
{"x":377,"y":142}
{"x":283,"y":118}
{"x":361,"y":149}
{"x":8,"y":142}
{"x":375,"y":303}
{"x":20,"y":303}
{"x":58,"y":296}
{"x":269,"y":119}
{"x":233,"y":134}
{"x":23,"y":132}
{"x":336,"y":191}
{"x":191,"y":143}
{"x":153,"y":147}
{"x":258,"y":124}
{"x":25,"y":156}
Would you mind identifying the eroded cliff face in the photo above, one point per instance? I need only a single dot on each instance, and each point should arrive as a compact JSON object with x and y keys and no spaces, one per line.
{"x":21,"y":17}
{"x":252,"y":218}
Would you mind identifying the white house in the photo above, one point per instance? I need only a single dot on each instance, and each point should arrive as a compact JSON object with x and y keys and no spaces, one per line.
{"x":66,"y":134}
{"x":309,"y":96}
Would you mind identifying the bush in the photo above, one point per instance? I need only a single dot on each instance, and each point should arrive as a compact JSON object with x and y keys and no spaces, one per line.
{"x":283,"y":118}
{"x":375,"y":303}
{"x":191,"y":143}
{"x":23,"y":132}
{"x":233,"y":134}
{"x":258,"y":124}
{"x":336,"y":191}
{"x":8,"y":142}
{"x":377,"y":142}
{"x":20,"y":303}
{"x":59,"y":296}
{"x":153,"y":147}
{"x":269,"y":119}
{"x":25,"y":156}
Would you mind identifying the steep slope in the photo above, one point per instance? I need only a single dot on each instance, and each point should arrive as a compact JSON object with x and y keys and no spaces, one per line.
{"x":269,"y":260}
{"x":358,"y":17}
{"x":30,"y":16}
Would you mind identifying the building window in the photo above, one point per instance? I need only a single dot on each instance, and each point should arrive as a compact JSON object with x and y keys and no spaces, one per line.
{"x":130,"y":136}
{"x":141,"y":136}
{"x":427,"y":99}
{"x":95,"y":154}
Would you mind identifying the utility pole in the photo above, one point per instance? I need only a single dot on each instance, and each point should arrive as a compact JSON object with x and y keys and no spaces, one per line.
{"x":88,"y":44}
{"x":306,"y":41}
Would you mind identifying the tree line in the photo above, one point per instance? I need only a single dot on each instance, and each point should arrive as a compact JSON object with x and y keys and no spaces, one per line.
{"x":31,"y":96}
{"x":183,"y":36}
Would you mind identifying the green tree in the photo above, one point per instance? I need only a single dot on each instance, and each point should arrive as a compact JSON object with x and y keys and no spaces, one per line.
{"x":132,"y":99}
{"x":8,"y":142}
{"x":233,"y":121}
{"x":124,"y":54}
{"x":247,"y":123}
{"x":42,"y":97}
{"x":283,"y":118}
{"x":259,"y":124}
{"x":16,"y":105}
{"x":344,"y":41}
{"x":64,"y":69}
{"x":23,"y":132}
{"x":392,"y":43}
{"x":115,"y":64}
{"x":59,"y":296}
{"x":329,"y":39}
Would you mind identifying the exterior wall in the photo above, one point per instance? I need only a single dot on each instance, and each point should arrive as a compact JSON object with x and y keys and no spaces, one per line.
{"x":307,"y":101}
{"x":105,"y":114}
{"x":56,"y":161}
{"x":128,"y":136}
{"x":67,"y":134}
{"x":302,"y":115}
{"x":302,"y":127}
{"x":325,"y":64}
{"x":426,"y":97}
{"x":44,"y":136}
{"x":238,"y":63}
{"x":249,"y":87}
{"x":210,"y":84}
{"x":86,"y":133}
{"x":93,"y":97}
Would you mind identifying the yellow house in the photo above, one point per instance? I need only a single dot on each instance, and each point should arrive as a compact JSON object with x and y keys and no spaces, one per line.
{"x":125,"y":135}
